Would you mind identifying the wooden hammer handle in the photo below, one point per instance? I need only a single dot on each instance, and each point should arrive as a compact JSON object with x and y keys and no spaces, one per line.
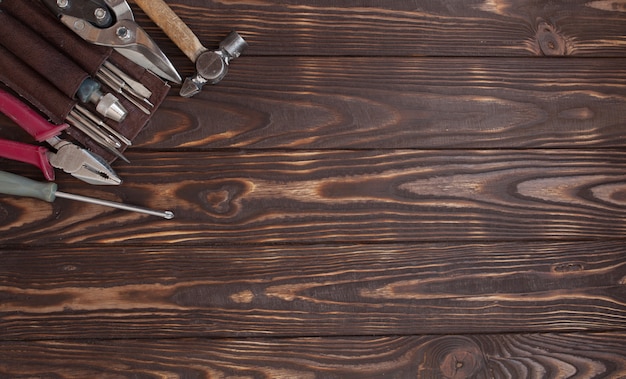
{"x":173,"y":26}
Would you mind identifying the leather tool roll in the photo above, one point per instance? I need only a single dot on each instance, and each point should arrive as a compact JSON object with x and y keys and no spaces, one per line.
{"x":43,"y":95}
{"x":31,"y":48}
{"x":136,"y":119}
{"x":30,"y":85}
{"x":34,"y":14}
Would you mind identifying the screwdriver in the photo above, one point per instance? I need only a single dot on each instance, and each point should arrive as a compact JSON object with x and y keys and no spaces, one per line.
{"x":11,"y":184}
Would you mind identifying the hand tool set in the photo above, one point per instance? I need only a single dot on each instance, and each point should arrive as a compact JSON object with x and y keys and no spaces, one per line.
{"x":65,"y":70}
{"x":111,"y":23}
{"x":94,"y":76}
{"x":69,"y":157}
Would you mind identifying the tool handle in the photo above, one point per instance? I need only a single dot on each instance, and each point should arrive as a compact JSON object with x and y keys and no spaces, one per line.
{"x":173,"y":26}
{"x":35,"y":155}
{"x":11,"y":184}
{"x":28,"y":119}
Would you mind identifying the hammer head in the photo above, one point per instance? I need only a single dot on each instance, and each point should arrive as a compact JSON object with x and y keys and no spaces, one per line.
{"x":212,"y":66}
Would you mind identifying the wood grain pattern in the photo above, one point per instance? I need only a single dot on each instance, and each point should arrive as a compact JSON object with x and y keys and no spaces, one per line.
{"x":453,"y":357}
{"x":392,"y":189}
{"x":407,"y":28}
{"x":424,"y":103}
{"x":126,"y":292}
{"x":339,"y":196}
{"x":374,"y":103}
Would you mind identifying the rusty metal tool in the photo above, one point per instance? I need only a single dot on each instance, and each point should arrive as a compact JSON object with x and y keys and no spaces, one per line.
{"x":211,"y":66}
{"x":111,"y":23}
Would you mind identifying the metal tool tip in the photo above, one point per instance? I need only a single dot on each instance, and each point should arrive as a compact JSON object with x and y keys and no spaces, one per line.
{"x":189,"y":88}
{"x":115,"y":180}
{"x":118,"y":154}
{"x":93,"y":176}
{"x":168,"y":215}
{"x":109,"y":106}
{"x":122,"y":157}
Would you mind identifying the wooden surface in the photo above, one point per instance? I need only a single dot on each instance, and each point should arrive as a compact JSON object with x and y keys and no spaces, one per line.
{"x":396,"y":189}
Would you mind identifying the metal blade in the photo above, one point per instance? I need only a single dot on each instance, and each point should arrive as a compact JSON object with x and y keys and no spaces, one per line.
{"x":155,"y":57}
{"x":130,"y":40}
{"x":147,"y":59}
{"x":145,"y":52}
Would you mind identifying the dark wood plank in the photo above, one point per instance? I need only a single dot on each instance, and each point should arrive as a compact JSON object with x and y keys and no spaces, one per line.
{"x":495,"y":356}
{"x":337,"y":196}
{"x":127,"y":292}
{"x":321,"y":103}
{"x":341,"y":239}
{"x":397,"y":27}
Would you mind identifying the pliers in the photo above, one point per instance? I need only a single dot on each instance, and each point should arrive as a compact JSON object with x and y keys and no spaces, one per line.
{"x":67,"y":156}
{"x":111,"y":23}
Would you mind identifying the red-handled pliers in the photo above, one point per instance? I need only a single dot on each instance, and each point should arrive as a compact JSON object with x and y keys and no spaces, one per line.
{"x":69,"y":157}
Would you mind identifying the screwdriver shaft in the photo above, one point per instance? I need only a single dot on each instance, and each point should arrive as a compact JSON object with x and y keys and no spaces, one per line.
{"x":78,"y":124}
{"x":85,"y":123}
{"x":111,"y":83}
{"x":165,"y":214}
{"x":136,"y":86}
{"x":97,"y":121}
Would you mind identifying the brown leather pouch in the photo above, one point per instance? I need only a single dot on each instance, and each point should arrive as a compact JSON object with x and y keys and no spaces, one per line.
{"x":53,"y":39}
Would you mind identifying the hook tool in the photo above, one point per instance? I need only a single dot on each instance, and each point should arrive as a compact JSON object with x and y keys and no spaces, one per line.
{"x":11,"y":184}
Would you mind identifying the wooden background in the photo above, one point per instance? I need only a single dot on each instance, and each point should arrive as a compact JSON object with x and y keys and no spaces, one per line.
{"x":378,"y":189}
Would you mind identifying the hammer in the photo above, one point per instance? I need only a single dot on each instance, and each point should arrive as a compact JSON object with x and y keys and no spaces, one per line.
{"x":211,"y":66}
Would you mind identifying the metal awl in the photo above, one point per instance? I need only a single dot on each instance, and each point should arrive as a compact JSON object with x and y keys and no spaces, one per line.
{"x":12,"y":184}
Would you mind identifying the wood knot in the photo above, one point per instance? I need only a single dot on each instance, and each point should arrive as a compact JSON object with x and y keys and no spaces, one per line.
{"x":452,"y":358}
{"x":550,"y":41}
{"x":245,"y":297}
{"x":219,"y":198}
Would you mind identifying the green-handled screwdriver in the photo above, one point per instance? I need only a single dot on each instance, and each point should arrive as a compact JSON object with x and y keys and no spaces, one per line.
{"x":12,"y":184}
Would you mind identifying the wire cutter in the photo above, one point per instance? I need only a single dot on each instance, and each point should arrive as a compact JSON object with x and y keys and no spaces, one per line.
{"x":67,"y":156}
{"x":111,"y":23}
